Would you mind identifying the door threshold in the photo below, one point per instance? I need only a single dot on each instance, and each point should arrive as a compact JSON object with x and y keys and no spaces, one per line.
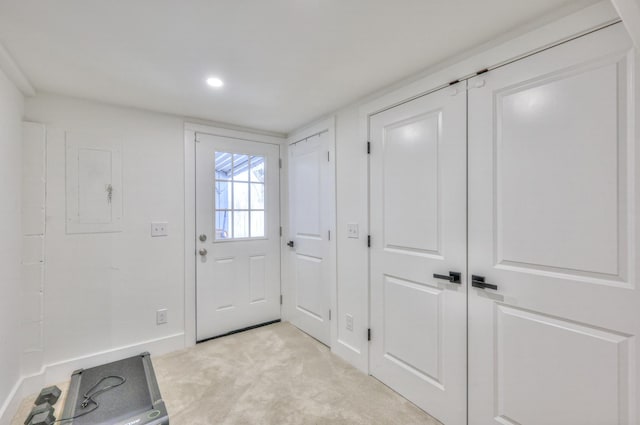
{"x":248,"y":328}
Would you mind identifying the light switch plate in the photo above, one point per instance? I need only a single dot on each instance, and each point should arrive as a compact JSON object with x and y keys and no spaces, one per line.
{"x":352,"y":230}
{"x":159,"y":228}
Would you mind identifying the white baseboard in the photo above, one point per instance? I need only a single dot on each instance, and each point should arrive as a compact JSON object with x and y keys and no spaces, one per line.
{"x":351,"y":355}
{"x":11,"y":404}
{"x":61,"y":371}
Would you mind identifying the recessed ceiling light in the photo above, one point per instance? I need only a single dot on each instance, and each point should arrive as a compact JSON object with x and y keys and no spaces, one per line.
{"x":215,"y":82}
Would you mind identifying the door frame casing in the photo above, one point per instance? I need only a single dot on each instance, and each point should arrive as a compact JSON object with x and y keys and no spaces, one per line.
{"x":190,"y":130}
{"x":328,"y":125}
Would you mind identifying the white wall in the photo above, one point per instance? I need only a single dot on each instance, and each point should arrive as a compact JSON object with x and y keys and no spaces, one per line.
{"x":101,"y":291}
{"x":11,"y":109}
{"x":353,"y":254}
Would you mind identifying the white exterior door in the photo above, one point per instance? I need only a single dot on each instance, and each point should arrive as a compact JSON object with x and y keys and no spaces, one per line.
{"x":237,"y":234}
{"x":418,"y":237}
{"x":311,"y":215}
{"x":553,"y":209}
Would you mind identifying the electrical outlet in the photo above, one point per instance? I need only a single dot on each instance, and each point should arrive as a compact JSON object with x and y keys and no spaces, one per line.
{"x":161,"y":316}
{"x":159,"y":228}
{"x":349,"y":322}
{"x":352,"y":230}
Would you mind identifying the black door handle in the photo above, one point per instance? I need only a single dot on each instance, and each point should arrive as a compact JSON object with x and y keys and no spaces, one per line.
{"x":478,"y":282}
{"x":453,"y":277}
{"x":290,"y":244}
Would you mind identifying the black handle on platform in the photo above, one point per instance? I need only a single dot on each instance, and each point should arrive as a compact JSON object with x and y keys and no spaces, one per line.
{"x":478,"y":282}
{"x":453,"y":277}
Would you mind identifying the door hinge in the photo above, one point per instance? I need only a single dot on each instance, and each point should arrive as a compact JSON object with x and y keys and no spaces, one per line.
{"x":329,"y":314}
{"x":328,"y":156}
{"x":281,"y":231}
{"x":280,"y":162}
{"x":280,"y":299}
{"x":369,"y":334}
{"x":368,"y":147}
{"x":368,"y":241}
{"x":329,"y":234}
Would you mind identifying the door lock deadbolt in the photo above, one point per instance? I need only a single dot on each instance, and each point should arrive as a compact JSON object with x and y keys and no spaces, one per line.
{"x":203,"y":238}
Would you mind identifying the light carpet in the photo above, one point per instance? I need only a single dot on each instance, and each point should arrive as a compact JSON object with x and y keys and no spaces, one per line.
{"x":274,"y":375}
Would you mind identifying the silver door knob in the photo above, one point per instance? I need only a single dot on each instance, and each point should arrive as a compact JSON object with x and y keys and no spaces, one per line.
{"x":203,"y":252}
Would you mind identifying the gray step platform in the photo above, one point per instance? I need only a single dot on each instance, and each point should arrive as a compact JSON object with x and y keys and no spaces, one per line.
{"x":136,"y":402}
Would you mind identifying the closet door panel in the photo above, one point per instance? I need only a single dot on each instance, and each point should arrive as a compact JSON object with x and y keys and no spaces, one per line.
{"x":418,"y":236}
{"x":552,"y":219}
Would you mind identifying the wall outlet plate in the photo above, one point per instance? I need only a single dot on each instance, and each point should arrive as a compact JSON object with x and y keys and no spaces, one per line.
{"x":159,"y":228}
{"x":352,"y":230}
{"x":349,"y":322}
{"x":161,"y":316}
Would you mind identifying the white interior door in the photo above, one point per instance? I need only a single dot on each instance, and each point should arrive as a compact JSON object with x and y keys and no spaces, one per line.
{"x":553,"y":208}
{"x":237,"y":234}
{"x":418,"y":237}
{"x":311,"y":215}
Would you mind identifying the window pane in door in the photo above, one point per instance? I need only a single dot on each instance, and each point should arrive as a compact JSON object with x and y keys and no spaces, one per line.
{"x":240,"y":167}
{"x":223,"y":225}
{"x":240,"y":224}
{"x":240,"y":196}
{"x":257,"y":196}
{"x":257,"y":169}
{"x":223,"y":165}
{"x":257,"y":224}
{"x":223,"y":195}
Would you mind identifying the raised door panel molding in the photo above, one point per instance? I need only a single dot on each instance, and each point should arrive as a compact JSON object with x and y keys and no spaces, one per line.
{"x":412,"y":333}
{"x":537,"y":376}
{"x":551,"y":165}
{"x":411,"y":185}
{"x":258,"y":278}
{"x":307,"y":190}
{"x":309,"y":286}
{"x":93,"y":184}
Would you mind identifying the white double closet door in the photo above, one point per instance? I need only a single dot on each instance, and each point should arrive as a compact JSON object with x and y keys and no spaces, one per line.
{"x":552,"y":242}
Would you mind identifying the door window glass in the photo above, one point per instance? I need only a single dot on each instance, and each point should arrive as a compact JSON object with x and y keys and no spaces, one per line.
{"x":240,"y":196}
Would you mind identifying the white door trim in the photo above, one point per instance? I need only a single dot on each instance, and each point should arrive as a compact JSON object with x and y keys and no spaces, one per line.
{"x":190,"y":130}
{"x":328,"y":125}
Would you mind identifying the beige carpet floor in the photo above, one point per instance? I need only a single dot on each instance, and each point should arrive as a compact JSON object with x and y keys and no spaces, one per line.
{"x":274,"y":375}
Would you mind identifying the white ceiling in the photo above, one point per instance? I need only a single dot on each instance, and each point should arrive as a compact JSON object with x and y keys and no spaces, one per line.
{"x":284,"y":62}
